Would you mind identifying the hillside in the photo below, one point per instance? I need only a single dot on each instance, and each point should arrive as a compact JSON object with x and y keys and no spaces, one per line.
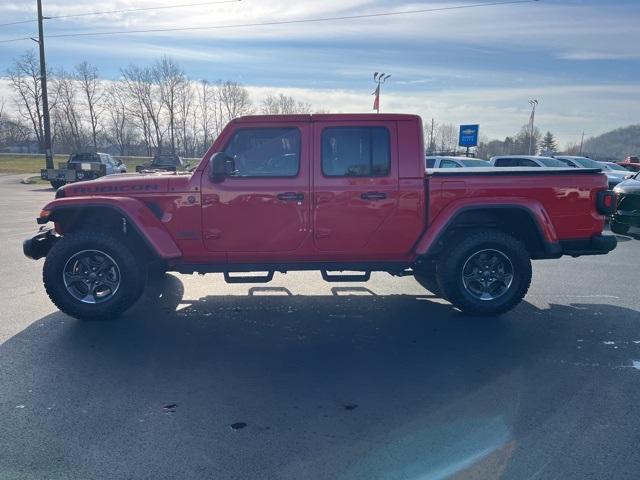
{"x":614,"y":145}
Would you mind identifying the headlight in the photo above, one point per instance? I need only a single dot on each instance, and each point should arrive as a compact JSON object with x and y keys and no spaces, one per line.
{"x":80,"y":175}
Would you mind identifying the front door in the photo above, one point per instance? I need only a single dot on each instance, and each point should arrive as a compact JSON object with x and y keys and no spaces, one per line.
{"x":355,"y":185}
{"x":262,"y":207}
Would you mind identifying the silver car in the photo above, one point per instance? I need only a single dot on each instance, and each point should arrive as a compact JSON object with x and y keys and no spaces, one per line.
{"x":613,"y":176}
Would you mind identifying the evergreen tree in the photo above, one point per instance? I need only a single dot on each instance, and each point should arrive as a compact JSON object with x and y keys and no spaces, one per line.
{"x":549,"y":143}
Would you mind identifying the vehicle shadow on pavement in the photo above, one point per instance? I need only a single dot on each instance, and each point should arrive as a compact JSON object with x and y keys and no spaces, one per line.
{"x":322,"y":387}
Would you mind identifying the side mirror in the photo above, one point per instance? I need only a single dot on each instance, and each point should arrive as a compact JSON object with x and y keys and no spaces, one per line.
{"x":220,"y":166}
{"x":118,"y":162}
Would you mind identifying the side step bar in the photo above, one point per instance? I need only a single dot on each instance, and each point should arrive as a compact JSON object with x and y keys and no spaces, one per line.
{"x":248,"y":279}
{"x":345,"y":278}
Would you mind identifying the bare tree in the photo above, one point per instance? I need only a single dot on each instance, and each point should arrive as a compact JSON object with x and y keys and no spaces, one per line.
{"x":283,"y":104}
{"x":93,"y":93}
{"x":170,"y":79}
{"x":24,"y":78}
{"x":185,"y":110}
{"x":447,"y":137}
{"x":67,"y":119}
{"x":145,"y":105}
{"x":206,"y":113}
{"x":118,"y":129}
{"x":234,"y":101}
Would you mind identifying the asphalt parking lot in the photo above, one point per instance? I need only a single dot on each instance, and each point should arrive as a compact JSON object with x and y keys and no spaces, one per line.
{"x":301,"y":379}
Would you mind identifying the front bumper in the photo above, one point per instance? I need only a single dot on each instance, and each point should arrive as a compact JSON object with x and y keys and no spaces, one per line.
{"x":597,"y":245}
{"x":39,"y":245}
{"x":628,"y":217}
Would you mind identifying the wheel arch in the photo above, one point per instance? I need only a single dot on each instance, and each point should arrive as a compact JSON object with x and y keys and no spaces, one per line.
{"x":530,"y":226}
{"x":134,"y":221}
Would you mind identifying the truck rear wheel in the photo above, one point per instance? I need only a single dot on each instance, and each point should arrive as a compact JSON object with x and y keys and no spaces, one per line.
{"x":487,"y":273}
{"x":57,"y":183}
{"x":92,"y":276}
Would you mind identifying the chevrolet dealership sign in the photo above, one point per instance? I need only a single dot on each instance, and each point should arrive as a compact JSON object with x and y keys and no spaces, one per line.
{"x":469,"y":135}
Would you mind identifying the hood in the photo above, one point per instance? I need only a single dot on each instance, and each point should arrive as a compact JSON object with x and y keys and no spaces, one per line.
{"x":125,"y":184}
{"x":617,"y":174}
{"x":631,"y":186}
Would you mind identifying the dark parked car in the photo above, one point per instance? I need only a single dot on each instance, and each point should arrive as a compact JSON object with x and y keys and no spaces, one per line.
{"x":82,"y":166}
{"x":163,"y":163}
{"x":627,"y":213}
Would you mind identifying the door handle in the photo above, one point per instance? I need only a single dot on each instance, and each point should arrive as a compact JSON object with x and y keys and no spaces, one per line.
{"x":373,"y":196}
{"x":291,"y":196}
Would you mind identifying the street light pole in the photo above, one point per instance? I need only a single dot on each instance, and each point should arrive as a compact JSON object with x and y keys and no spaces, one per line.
{"x":45,"y":100}
{"x":533,"y":104}
{"x":378,"y":78}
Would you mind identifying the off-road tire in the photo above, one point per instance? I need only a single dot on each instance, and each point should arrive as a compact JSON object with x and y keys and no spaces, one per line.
{"x":132,"y":275}
{"x":426,"y":275}
{"x":450,"y":273}
{"x":619,"y":228}
{"x":56,"y":184}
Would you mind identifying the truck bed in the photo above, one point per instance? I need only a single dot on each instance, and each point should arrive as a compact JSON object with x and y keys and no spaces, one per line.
{"x":510,"y":171}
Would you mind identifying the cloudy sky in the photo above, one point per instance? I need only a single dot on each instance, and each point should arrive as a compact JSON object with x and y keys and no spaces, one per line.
{"x":579,"y":58}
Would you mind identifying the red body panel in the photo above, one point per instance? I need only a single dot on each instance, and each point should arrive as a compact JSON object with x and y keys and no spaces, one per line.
{"x":189,"y":218}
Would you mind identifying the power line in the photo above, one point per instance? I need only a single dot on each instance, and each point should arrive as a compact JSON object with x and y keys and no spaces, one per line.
{"x":129,"y":10}
{"x":280,"y":22}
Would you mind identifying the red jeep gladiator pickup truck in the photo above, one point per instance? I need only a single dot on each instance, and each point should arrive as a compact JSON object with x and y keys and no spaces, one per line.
{"x":334,"y":193}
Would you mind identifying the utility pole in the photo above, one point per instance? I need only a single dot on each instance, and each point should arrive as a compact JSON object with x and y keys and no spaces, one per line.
{"x":45,"y":100}
{"x":431,"y":134}
{"x":581,"y":142}
{"x":533,"y":104}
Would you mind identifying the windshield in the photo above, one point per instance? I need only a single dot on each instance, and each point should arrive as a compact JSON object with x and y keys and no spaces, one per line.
{"x":170,"y":161}
{"x":613,"y":166}
{"x":84,"y":158}
{"x":588,"y":163}
{"x":551,"y":162}
{"x":474,"y":162}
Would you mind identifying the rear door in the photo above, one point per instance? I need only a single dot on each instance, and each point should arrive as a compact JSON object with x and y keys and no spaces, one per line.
{"x":355,"y":181}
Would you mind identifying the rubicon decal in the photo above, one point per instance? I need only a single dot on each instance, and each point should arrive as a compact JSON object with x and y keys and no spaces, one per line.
{"x":115,"y":188}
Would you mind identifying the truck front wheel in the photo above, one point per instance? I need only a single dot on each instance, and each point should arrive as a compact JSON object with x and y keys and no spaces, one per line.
{"x":56,"y":184}
{"x":92,"y":276}
{"x":487,"y":273}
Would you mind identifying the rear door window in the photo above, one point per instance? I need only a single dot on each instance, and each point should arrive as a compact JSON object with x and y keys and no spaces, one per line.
{"x":505,"y":162}
{"x":449,"y":164}
{"x":356,"y":152}
{"x":525,"y":162}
